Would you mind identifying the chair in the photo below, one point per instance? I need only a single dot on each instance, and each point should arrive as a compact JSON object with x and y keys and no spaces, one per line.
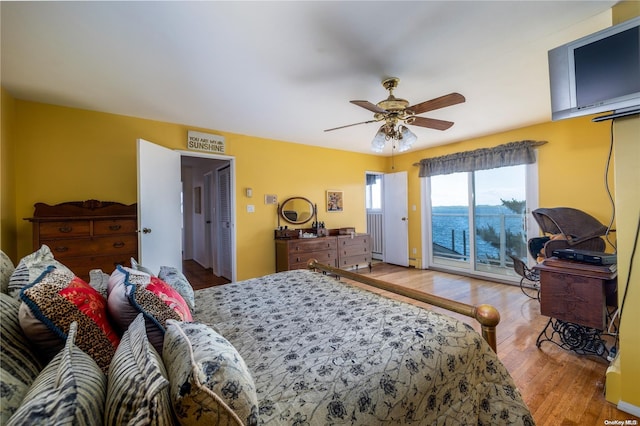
{"x":529,"y":278}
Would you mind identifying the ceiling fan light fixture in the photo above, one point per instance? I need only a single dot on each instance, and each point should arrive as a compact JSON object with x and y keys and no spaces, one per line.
{"x":377,"y":144}
{"x":407,"y":139}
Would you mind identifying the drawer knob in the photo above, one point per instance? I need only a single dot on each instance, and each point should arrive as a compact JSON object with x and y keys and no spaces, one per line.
{"x":65,"y":229}
{"x":114,"y":227}
{"x":61,"y":249}
{"x":118,"y":244}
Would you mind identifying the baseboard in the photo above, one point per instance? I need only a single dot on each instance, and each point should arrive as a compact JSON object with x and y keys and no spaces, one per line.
{"x":629,"y":408}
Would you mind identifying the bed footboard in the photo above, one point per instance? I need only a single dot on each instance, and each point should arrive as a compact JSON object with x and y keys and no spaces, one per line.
{"x":486,"y":315}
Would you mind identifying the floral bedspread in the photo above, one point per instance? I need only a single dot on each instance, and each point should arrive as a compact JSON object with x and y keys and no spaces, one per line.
{"x":323,"y":352}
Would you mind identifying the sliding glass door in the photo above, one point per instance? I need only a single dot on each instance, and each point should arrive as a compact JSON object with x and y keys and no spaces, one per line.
{"x":475,"y":220}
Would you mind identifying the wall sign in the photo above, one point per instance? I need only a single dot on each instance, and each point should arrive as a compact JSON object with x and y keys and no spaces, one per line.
{"x":205,"y":142}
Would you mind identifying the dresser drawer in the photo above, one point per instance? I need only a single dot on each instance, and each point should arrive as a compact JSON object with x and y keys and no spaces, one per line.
{"x":82,"y":265}
{"x":118,"y":226}
{"x":348,"y":251}
{"x":325,"y":257}
{"x":65,"y":229}
{"x":355,"y":260}
{"x":72,"y":247}
{"x":312,"y":245}
{"x":358,"y":240}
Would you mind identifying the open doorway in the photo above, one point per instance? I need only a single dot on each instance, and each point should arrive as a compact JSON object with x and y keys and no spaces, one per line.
{"x":207,"y":220}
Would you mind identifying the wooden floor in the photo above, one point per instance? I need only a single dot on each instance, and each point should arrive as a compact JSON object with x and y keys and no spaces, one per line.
{"x":560,"y":387}
{"x":200,"y":277}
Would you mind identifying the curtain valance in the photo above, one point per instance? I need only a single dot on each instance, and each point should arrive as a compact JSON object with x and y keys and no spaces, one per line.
{"x":509,"y":154}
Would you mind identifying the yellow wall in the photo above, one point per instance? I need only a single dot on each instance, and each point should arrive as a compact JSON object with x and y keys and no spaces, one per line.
{"x":64,"y":154}
{"x":627,"y":133}
{"x":8,"y":240}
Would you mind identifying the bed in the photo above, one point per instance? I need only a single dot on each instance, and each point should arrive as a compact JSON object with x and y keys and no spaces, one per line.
{"x":325,"y":352}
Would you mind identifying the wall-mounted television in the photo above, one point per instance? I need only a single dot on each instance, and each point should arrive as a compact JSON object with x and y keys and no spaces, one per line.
{"x":597,"y":73}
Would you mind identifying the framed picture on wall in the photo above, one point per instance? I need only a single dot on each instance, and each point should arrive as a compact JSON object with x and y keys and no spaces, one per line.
{"x":335,"y":201}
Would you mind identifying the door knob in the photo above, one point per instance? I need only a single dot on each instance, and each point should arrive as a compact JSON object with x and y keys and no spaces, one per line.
{"x":146,"y":230}
{"x":405,"y":218}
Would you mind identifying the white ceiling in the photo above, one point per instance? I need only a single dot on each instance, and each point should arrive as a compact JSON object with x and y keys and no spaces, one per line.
{"x":286,"y":70}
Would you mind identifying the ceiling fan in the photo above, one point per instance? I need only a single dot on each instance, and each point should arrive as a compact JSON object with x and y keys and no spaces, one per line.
{"x":396,"y":110}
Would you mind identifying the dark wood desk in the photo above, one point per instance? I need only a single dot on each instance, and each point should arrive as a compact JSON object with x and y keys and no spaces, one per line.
{"x":576,"y":297}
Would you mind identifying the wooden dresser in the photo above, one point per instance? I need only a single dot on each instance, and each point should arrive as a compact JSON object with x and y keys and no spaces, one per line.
{"x":341,"y":251}
{"x":85,"y":235}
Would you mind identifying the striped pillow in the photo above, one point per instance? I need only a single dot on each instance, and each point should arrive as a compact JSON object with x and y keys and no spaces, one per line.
{"x":70,"y":390}
{"x":138,"y":381}
{"x":20,"y":367}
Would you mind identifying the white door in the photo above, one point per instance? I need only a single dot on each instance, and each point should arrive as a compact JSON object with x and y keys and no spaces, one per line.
{"x":396,"y":225}
{"x":224,"y":230}
{"x":159,"y":213}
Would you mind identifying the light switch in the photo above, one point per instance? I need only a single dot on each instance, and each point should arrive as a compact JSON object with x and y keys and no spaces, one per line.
{"x":249,"y":192}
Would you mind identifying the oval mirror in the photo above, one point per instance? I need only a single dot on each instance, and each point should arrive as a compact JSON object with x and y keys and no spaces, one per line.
{"x":297,"y":210}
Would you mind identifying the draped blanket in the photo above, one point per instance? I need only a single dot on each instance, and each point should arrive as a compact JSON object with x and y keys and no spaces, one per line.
{"x":324,"y":352}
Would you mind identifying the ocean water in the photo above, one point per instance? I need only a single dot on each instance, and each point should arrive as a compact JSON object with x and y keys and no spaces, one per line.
{"x":449,"y":223}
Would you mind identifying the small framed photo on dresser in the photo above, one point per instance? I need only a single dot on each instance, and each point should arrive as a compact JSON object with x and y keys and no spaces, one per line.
{"x":335,"y":201}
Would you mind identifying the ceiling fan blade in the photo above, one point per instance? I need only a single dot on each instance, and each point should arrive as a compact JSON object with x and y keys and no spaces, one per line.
{"x":368,"y":105}
{"x":432,"y":123}
{"x":349,"y":125}
{"x":437,"y":103}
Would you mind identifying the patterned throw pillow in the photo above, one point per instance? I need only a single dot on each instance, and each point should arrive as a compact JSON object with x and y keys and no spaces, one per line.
{"x":210,"y":383}
{"x":6,"y":269}
{"x":70,"y":390}
{"x":133,"y":292}
{"x":30,"y":268}
{"x":20,"y":367}
{"x":178,"y":281}
{"x":138,"y":381}
{"x":55,"y":300}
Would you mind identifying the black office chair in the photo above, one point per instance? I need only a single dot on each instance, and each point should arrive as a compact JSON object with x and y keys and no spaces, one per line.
{"x":529,"y":278}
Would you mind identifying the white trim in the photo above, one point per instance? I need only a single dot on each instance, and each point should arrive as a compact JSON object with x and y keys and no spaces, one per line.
{"x":629,"y":408}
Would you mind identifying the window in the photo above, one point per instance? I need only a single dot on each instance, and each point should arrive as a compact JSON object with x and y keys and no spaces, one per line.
{"x":374,"y":192}
{"x":476,"y":219}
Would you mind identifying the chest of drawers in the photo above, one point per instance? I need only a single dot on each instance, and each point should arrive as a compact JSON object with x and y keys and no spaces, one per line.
{"x":337,"y":251}
{"x":87,"y":235}
{"x":295,"y":253}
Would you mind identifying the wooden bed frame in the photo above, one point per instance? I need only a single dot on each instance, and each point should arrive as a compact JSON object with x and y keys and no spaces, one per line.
{"x":486,"y":315}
